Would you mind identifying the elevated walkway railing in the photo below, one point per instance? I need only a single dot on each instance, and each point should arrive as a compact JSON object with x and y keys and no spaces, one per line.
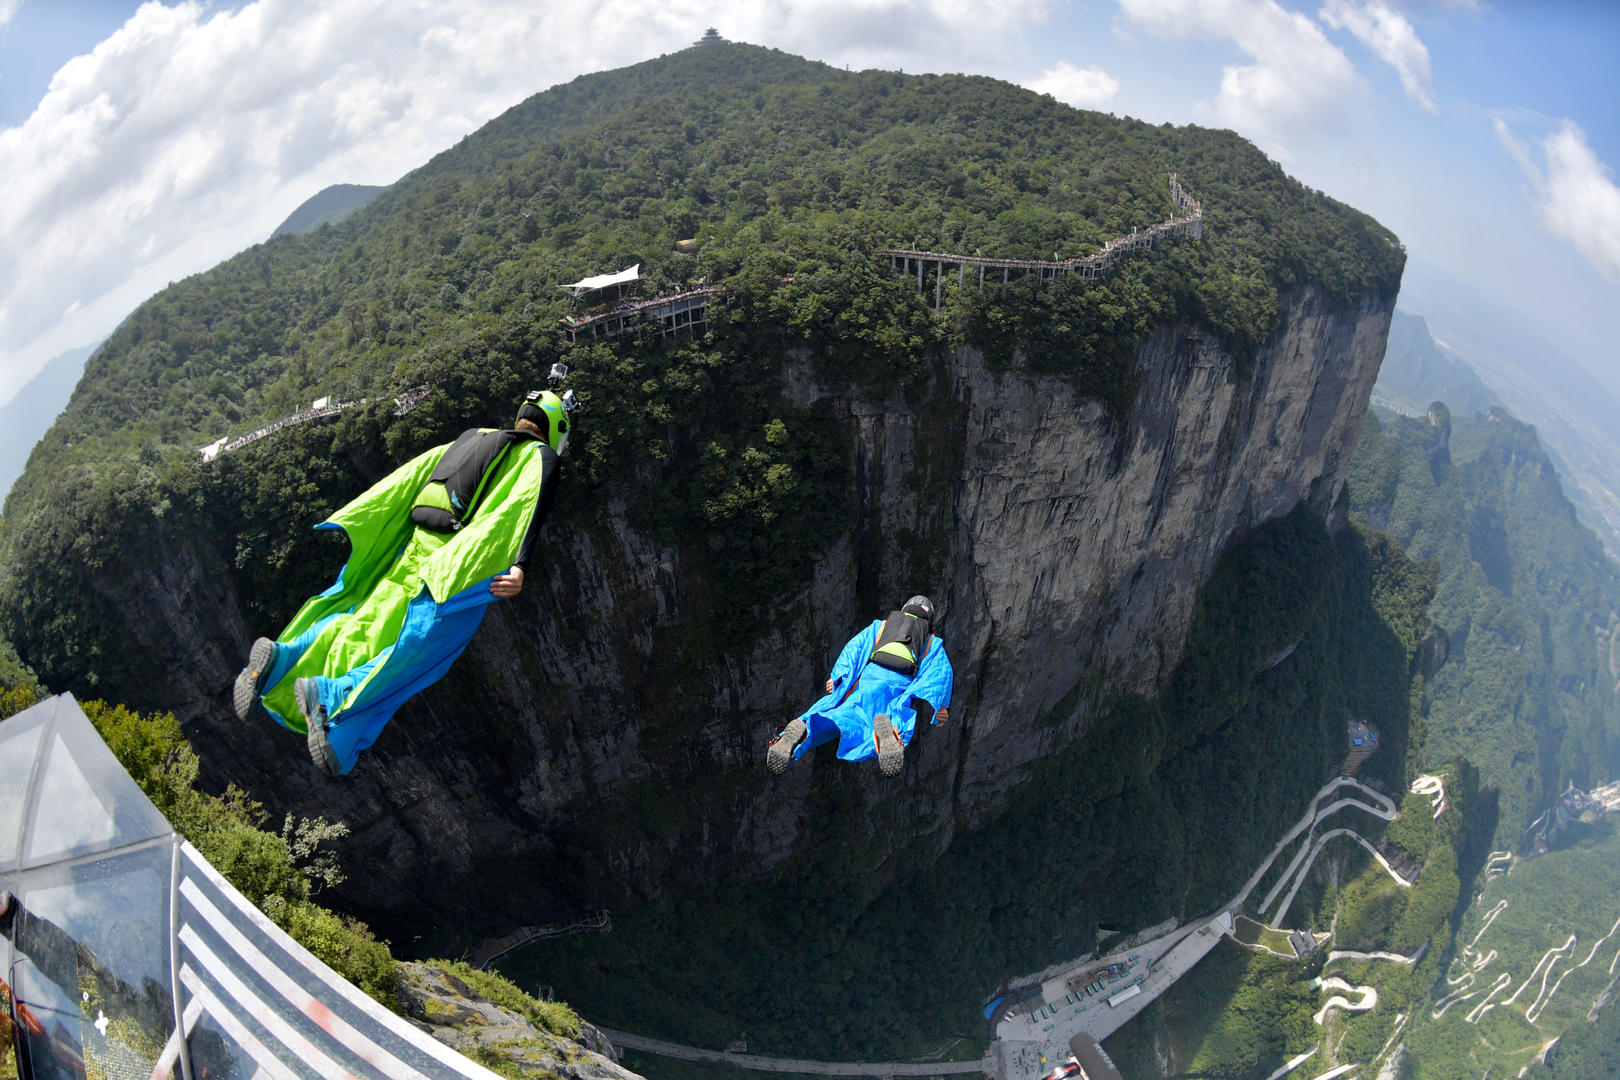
{"x":1190,"y":222}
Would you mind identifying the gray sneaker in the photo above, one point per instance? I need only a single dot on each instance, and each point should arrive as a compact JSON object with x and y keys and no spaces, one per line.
{"x":780,"y":755}
{"x":320,"y":747}
{"x":891,"y":752}
{"x":250,"y":683}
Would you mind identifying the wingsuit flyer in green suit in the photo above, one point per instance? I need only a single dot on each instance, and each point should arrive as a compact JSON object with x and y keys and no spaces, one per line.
{"x":432,"y":545}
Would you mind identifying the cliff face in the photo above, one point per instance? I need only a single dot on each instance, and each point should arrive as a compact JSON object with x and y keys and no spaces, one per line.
{"x":591,"y":744}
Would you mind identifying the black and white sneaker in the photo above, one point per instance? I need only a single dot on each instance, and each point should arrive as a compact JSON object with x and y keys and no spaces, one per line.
{"x":891,"y":752}
{"x":250,"y":683}
{"x":780,"y":755}
{"x":320,"y":747}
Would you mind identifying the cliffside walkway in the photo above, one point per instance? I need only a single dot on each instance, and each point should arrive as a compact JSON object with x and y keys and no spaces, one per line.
{"x":1190,"y":222}
{"x":760,"y":1063}
{"x":189,"y":978}
{"x":495,"y":948}
{"x":324,"y":408}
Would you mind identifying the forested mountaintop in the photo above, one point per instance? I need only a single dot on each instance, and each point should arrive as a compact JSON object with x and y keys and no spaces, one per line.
{"x":779,"y":166}
{"x":327,"y":206}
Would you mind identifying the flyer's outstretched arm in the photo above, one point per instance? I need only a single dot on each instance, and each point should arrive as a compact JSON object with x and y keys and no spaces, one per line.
{"x":856,"y":652}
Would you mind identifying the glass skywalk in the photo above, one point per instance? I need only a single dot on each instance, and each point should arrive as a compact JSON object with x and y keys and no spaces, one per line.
{"x":128,"y":957}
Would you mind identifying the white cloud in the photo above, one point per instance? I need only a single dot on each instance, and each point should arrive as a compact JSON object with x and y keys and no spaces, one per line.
{"x":1574,"y":194}
{"x":8,"y":10}
{"x":1392,"y":38}
{"x":1084,"y":88}
{"x":189,"y":133}
{"x":1298,"y":78}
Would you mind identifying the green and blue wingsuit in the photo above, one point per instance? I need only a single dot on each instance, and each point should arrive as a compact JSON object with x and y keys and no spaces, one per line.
{"x":407,"y":601}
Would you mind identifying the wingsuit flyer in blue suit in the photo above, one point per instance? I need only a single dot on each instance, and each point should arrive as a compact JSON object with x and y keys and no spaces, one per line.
{"x":889,"y":678}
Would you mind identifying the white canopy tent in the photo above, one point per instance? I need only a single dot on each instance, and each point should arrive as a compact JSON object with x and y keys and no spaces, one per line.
{"x":603,"y":281}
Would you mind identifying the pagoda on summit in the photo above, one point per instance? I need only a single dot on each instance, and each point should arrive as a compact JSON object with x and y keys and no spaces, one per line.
{"x":711,"y":36}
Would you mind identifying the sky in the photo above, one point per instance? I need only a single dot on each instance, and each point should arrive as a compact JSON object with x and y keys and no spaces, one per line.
{"x":141,"y":143}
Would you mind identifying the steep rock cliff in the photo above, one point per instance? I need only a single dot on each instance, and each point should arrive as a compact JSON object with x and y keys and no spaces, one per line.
{"x":593,"y":743}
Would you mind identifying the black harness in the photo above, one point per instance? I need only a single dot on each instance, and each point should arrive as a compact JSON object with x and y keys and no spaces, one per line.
{"x":452,"y":493}
{"x":912,"y":632}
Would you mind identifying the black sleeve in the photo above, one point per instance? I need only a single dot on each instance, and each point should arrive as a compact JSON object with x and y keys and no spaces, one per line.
{"x":550,"y":469}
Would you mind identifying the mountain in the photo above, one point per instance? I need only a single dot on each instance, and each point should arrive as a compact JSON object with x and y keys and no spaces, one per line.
{"x":29,"y":414}
{"x":1573,"y":412}
{"x":1126,"y":496}
{"x":1416,"y":372}
{"x":328,"y":206}
{"x":1524,"y":592}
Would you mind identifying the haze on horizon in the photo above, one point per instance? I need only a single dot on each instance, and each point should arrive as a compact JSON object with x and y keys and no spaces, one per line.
{"x":140,"y":144}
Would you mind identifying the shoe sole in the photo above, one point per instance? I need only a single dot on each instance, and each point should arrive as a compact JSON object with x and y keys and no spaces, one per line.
{"x":320,"y":747}
{"x":891,"y":752}
{"x":780,"y":755}
{"x":250,"y":681}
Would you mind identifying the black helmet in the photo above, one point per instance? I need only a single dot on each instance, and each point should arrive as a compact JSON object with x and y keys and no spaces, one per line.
{"x":920,"y":607}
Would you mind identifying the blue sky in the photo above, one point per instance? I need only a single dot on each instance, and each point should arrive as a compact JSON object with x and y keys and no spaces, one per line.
{"x":142,"y":143}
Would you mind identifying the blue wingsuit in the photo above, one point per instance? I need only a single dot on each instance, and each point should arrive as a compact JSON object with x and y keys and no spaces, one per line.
{"x":862,"y":690}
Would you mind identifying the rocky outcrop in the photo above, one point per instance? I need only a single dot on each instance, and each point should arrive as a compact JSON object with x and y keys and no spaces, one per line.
{"x":446,"y":1007}
{"x":585,"y":747}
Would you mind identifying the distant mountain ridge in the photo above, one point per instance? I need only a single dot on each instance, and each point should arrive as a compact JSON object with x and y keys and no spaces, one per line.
{"x":1577,"y":418}
{"x":327,"y":207}
{"x":26,"y":417}
{"x":1416,"y":371}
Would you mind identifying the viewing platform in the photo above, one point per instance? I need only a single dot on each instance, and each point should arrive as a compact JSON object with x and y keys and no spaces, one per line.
{"x":670,"y":314}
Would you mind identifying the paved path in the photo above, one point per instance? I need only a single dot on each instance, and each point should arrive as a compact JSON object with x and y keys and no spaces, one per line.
{"x":627,"y":1041}
{"x":1368,"y":999}
{"x":1316,"y":849}
{"x":1350,"y":954}
{"x":1293,"y":1063}
{"x":1385,"y":811}
{"x":1431,"y":785}
{"x":1311,"y":817}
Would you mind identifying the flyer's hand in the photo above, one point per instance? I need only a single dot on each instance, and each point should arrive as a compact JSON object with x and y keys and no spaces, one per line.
{"x":829,"y":687}
{"x":509,"y":584}
{"x":942,"y":715}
